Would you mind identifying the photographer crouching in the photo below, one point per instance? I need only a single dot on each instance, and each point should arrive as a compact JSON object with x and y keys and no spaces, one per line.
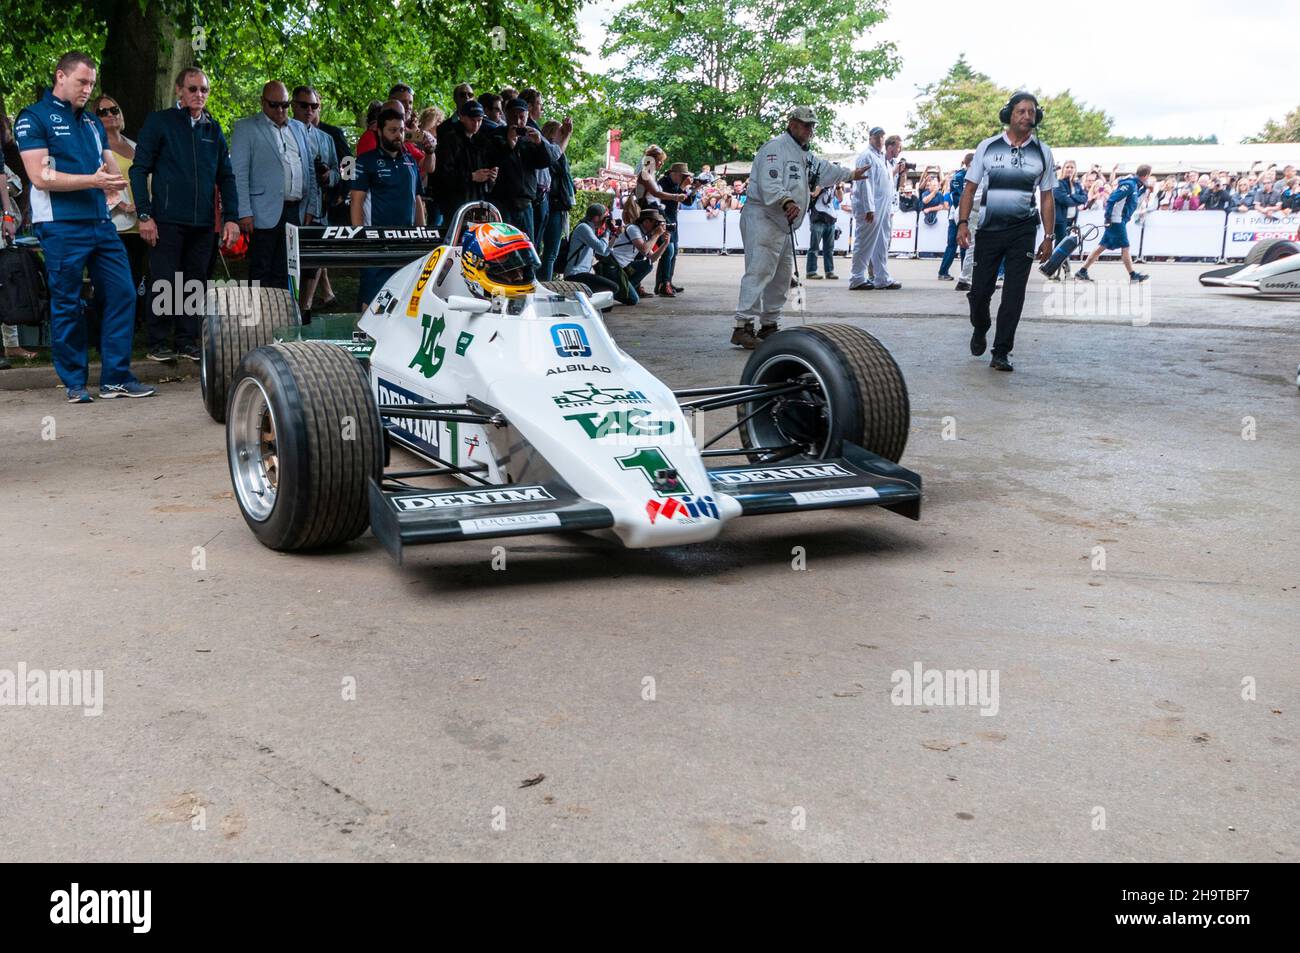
{"x":634,"y":253}
{"x":589,"y":240}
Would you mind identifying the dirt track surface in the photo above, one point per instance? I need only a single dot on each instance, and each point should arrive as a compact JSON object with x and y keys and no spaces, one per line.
{"x":225,"y":734}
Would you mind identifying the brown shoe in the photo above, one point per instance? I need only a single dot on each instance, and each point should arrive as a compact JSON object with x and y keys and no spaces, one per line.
{"x":21,"y":353}
{"x":666,"y":291}
{"x":743,"y":336}
{"x":765,"y":331}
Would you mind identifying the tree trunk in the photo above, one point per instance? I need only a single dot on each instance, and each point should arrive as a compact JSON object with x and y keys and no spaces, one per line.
{"x":143,"y":52}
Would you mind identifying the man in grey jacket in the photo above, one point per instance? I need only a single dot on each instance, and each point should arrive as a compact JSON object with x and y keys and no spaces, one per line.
{"x":275,"y":181}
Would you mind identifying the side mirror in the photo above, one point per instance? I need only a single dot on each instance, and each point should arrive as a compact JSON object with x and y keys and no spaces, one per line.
{"x":601,"y":300}
{"x":468,"y":305}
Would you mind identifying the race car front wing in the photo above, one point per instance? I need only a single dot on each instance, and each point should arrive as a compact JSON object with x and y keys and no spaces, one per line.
{"x":411,"y":516}
{"x":858,"y":478}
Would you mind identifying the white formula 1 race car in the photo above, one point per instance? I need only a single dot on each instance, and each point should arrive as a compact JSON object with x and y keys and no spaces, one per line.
{"x":1271,"y":267}
{"x":518,"y":390}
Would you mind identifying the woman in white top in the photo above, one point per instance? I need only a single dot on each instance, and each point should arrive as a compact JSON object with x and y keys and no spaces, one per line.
{"x":648,"y":192}
{"x":121,"y":205}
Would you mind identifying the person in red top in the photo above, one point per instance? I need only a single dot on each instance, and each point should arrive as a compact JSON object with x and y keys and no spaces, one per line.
{"x":369,"y":140}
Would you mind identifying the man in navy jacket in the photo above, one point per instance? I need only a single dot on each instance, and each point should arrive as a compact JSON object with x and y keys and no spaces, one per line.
{"x":1120,"y":206}
{"x":183,"y":149}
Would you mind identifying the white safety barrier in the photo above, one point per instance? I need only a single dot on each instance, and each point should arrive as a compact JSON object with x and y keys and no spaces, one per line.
{"x":1199,"y":234}
{"x":1179,"y":235}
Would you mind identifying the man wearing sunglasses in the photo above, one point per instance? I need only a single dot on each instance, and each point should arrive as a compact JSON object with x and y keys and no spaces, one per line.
{"x":185,"y":152}
{"x":275,"y":183}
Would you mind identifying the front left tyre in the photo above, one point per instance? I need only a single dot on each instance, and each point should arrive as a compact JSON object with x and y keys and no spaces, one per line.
{"x":303,"y":439}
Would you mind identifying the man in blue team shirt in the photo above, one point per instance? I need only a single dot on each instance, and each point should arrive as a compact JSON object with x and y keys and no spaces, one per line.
{"x":66,"y":154}
{"x":392,"y":180}
{"x":955,"y":188}
{"x":1120,"y":206}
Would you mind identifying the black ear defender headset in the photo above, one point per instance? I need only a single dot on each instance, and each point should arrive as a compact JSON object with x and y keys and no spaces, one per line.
{"x":1004,"y":116}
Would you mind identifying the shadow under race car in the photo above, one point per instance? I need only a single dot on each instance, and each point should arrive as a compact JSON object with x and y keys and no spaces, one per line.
{"x":519,"y":391}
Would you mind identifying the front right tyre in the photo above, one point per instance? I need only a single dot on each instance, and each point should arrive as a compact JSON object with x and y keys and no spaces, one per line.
{"x":303,"y":439}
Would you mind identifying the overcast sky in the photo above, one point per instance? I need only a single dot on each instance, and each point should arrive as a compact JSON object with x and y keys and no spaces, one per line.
{"x":1197,"y":68}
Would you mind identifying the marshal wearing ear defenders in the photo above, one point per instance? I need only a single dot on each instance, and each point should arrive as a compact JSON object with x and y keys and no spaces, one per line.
{"x":1004,"y":115}
{"x":1017,"y":174}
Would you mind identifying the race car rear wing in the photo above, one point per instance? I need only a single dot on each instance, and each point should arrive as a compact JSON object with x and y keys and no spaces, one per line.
{"x":372,"y":246}
{"x":354,"y":246}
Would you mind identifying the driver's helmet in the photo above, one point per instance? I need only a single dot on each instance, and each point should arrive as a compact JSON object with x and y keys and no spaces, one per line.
{"x":498,"y":259}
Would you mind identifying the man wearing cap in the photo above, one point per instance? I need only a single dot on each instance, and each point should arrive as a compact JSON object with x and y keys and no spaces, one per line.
{"x":783,"y":174}
{"x":462,"y":173}
{"x":677,"y":181}
{"x":517,"y":151}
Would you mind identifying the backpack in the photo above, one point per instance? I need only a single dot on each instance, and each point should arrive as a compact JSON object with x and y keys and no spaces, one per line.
{"x":24,"y":295}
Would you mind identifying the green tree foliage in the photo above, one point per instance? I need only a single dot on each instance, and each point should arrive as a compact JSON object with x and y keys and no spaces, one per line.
{"x":712,"y":80}
{"x":1288,"y":130}
{"x":1166,"y":141}
{"x":960,"y":109}
{"x":351,"y":50}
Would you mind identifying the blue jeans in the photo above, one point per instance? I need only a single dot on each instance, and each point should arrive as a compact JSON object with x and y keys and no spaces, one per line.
{"x":950,"y":252}
{"x":821,"y":234}
{"x":557,"y":223}
{"x":69,"y":249}
{"x":521,"y":219}
{"x":667,"y":261}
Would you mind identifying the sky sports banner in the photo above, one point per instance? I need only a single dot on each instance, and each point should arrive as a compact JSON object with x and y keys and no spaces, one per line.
{"x":1246,"y":228}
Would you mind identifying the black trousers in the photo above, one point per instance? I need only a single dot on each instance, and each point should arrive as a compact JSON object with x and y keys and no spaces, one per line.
{"x":268,"y":260}
{"x":1015,"y":246}
{"x":593,"y":281}
{"x":182,"y":255}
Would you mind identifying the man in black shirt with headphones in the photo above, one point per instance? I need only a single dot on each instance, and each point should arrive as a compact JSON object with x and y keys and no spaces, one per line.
{"x":1018,"y":175}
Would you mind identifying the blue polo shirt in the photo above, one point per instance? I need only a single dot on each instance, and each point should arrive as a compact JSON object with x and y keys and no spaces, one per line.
{"x":76,"y":141}
{"x":393,"y":182}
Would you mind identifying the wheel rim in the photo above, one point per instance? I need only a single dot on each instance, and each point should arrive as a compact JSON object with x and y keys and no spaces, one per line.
{"x":254,"y":449}
{"x":804,"y":417}
{"x":203,"y":370}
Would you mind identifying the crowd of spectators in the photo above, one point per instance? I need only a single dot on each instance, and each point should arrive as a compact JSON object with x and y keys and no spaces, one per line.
{"x":147,"y":216}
